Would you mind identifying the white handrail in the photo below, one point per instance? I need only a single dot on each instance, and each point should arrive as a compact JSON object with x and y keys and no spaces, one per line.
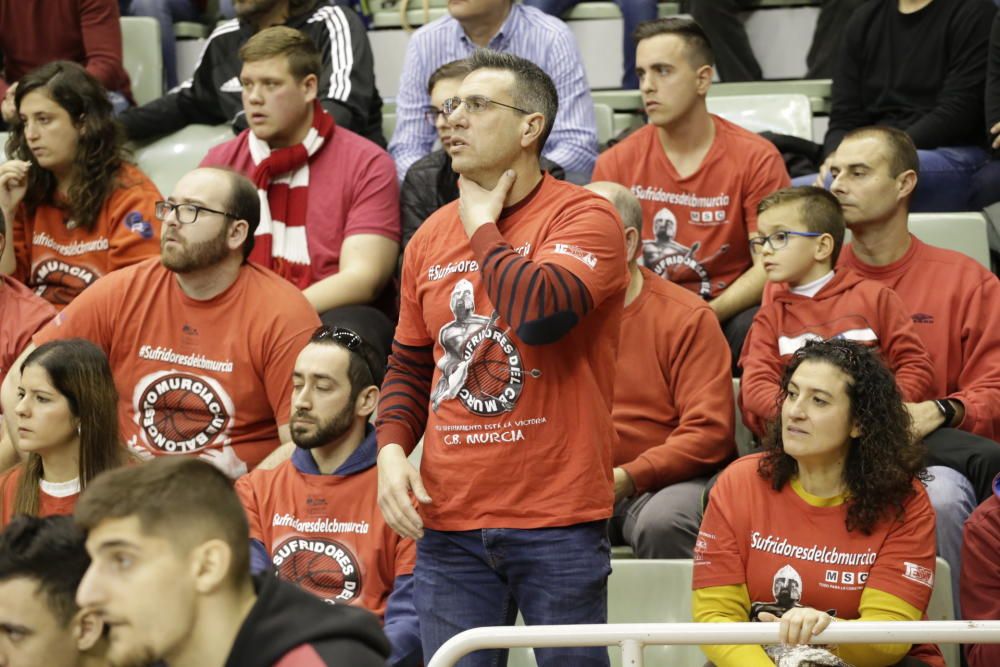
{"x":633,"y":636}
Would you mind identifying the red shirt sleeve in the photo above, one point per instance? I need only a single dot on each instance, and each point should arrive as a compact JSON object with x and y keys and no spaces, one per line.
{"x":248,"y":497}
{"x":762,"y":369}
{"x":718,"y":560}
{"x":766,"y":176}
{"x":102,"y":42}
{"x":374,"y":207}
{"x":980,"y":577}
{"x":281,"y":348}
{"x":903,"y":350}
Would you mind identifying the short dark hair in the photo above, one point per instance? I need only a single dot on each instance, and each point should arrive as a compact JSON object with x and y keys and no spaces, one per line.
{"x":456,"y":69}
{"x":820,"y":212}
{"x":899,"y":147}
{"x":181,"y":499}
{"x":50,"y":551}
{"x":699,"y":46}
{"x":244,"y":203}
{"x":367,"y":367}
{"x":300,"y":52}
{"x":533,"y":89}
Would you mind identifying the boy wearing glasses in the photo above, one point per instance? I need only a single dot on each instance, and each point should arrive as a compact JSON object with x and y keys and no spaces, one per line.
{"x":330,"y":201}
{"x":800,"y":232}
{"x":314,"y":518}
{"x":201,"y":342}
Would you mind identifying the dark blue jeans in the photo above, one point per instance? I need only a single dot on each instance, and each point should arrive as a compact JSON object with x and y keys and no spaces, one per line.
{"x":634,"y":12}
{"x":476,"y":578}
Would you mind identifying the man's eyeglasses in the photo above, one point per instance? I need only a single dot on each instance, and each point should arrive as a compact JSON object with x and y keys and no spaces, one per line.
{"x":777,"y":240}
{"x":432,"y":113}
{"x":186,"y":213}
{"x":474,"y":104}
{"x":349,"y":339}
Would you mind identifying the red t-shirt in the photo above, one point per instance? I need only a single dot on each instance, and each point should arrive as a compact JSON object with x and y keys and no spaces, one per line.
{"x":326,"y":533}
{"x":352,"y":190}
{"x":953,"y":302}
{"x":696,"y":229}
{"x":59,"y":262}
{"x":518,"y":436}
{"x":48,"y":505}
{"x":194,"y":376}
{"x":673,"y":389}
{"x":788,"y":551}
{"x":21,"y":314}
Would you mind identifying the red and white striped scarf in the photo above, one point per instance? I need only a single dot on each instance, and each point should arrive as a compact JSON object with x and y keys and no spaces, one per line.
{"x":282,"y":180}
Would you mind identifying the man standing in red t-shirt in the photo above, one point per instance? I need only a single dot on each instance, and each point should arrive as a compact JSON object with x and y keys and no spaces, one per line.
{"x":699,"y":177}
{"x":504,"y":362}
{"x":330,"y":202}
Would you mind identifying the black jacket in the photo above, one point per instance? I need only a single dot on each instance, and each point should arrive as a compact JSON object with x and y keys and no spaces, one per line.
{"x":213,"y":94}
{"x":430,"y":184}
{"x":285,"y":617}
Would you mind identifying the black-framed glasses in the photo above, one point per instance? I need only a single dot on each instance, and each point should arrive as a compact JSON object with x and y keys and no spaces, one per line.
{"x":432,"y":113}
{"x":777,"y":240}
{"x":346,"y":337}
{"x":474,"y":104}
{"x":186,"y":213}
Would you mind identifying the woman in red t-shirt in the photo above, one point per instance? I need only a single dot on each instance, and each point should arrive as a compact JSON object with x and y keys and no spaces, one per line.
{"x":831,"y":522}
{"x":67,"y":414}
{"x":76,"y":208}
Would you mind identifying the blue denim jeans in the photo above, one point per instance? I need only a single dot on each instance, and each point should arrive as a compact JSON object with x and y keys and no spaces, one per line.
{"x":476,"y":578}
{"x":946,"y":177}
{"x":633,"y":12}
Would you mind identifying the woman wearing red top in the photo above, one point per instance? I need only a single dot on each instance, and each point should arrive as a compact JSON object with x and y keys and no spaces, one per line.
{"x":67,"y":425}
{"x":830,"y":523}
{"x":79,"y":210}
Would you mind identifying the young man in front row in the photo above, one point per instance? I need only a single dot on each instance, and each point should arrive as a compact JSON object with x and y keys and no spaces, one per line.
{"x":314,"y":518}
{"x":698,"y":176}
{"x":800,"y":232}
{"x":673,"y":404}
{"x":170,"y":577}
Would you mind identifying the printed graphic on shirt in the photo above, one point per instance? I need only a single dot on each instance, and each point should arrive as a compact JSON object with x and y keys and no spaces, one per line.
{"x":322,"y":566}
{"x":852,"y":327}
{"x":786,"y":585}
{"x":138,"y":225}
{"x":58,"y":281}
{"x":665,"y":257}
{"x":179,"y":412}
{"x":481,"y":366}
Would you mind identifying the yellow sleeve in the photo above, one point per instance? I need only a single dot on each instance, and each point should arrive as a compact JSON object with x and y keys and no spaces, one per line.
{"x":727,"y":604}
{"x":878,"y":605}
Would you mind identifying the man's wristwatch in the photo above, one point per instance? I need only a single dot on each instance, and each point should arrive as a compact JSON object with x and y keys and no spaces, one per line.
{"x":947,"y":411}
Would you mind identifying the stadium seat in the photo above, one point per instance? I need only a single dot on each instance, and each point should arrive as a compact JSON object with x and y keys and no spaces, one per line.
{"x":644,"y":591}
{"x":143,"y":57}
{"x":964,"y":232}
{"x":941,"y":608}
{"x":167,"y":159}
{"x":605,"y":122}
{"x":783,"y":113}
{"x":388,"y":122}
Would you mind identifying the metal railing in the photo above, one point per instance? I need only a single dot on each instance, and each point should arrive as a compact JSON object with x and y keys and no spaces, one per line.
{"x":632,"y":637}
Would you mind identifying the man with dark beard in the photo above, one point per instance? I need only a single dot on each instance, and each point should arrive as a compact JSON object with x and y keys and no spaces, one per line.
{"x":315,"y":518}
{"x":213,"y":94}
{"x":201,"y":343}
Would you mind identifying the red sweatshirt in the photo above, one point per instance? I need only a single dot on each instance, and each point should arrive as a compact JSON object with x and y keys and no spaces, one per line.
{"x":84,"y":31}
{"x":677,"y":423}
{"x":847,"y":307}
{"x":980,"y":576}
{"x":955,"y":306}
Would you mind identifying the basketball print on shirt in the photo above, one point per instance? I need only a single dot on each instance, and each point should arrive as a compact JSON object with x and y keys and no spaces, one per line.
{"x":58,"y":281}
{"x":481,"y":366}
{"x":324,"y":567}
{"x":181,"y":413}
{"x":665,"y":257}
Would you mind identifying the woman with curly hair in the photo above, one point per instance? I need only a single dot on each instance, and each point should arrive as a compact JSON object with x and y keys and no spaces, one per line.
{"x":830,"y":522}
{"x":79,"y":210}
{"x":67,"y":413}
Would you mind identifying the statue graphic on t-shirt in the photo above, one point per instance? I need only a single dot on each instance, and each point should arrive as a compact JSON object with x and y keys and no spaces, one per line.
{"x":452,"y":338}
{"x":787,"y":589}
{"x":664,"y":256}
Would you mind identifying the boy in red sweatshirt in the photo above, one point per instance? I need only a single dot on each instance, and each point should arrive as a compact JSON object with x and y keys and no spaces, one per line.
{"x":800,"y":233}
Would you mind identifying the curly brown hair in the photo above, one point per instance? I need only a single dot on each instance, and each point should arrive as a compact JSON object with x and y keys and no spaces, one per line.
{"x":99,"y":153}
{"x":883,"y":461}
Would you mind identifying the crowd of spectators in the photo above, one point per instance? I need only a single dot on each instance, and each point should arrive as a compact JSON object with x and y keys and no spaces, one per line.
{"x":338,"y":396}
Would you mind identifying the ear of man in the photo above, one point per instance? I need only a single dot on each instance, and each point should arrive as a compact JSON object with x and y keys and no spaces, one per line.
{"x":87,"y":628}
{"x":210,"y":565}
{"x":366,"y":402}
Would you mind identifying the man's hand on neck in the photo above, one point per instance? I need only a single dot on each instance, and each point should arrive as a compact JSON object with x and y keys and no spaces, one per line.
{"x":478,"y":206}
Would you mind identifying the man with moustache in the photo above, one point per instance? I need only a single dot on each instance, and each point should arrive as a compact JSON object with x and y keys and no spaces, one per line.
{"x":201,"y":369}
{"x":213,"y":93}
{"x":320,"y":506}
